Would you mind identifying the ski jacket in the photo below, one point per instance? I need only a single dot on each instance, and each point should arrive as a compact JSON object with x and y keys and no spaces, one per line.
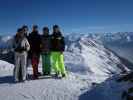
{"x":57,"y":42}
{"x":21,"y":45}
{"x":45,"y":44}
{"x":34,"y":40}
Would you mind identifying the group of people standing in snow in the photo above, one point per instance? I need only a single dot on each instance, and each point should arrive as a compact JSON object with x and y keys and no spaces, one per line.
{"x":32,"y":46}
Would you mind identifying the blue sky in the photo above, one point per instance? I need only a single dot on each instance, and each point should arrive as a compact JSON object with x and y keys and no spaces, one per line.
{"x":72,"y":15}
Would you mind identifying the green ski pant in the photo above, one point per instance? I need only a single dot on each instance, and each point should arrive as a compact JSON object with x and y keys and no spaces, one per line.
{"x":46,"y":63}
{"x":58,"y":62}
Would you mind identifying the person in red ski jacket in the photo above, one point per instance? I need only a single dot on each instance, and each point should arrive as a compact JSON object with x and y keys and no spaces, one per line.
{"x":35,"y":41}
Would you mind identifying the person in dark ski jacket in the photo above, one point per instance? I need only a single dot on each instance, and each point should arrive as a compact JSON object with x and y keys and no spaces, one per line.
{"x":57,"y":49}
{"x":21,"y":47}
{"x":45,"y":51}
{"x":35,"y":41}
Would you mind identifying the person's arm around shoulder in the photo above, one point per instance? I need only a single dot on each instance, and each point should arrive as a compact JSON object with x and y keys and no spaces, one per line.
{"x":27,"y":45}
{"x":63,"y":43}
{"x":50,"y":42}
{"x":41,"y":43}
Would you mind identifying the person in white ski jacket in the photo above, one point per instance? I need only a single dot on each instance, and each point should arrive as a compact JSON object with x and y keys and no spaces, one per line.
{"x":20,"y":46}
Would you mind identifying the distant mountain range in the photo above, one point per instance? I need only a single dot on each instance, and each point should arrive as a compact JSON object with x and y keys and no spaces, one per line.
{"x":120,"y":37}
{"x":107,"y":38}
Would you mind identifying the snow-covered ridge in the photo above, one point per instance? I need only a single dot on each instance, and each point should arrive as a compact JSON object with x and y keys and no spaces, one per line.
{"x":93,"y":57}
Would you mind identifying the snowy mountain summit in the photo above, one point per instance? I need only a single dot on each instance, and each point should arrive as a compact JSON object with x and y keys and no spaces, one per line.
{"x":93,"y":57}
{"x":89,"y":64}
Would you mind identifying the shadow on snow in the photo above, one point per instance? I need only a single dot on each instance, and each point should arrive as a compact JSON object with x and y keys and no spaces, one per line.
{"x":6,"y":79}
{"x":107,"y":90}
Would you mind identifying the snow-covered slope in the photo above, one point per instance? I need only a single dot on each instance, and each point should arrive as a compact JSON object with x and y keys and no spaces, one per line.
{"x":6,"y":42}
{"x":93,"y":57}
{"x":88,"y":63}
{"x":5,"y":66}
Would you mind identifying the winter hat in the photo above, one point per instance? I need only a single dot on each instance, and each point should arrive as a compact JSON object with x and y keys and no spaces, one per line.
{"x":45,"y":28}
{"x":19,"y":30}
{"x":24,"y":26}
{"x":55,"y":26}
{"x":35,"y":26}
